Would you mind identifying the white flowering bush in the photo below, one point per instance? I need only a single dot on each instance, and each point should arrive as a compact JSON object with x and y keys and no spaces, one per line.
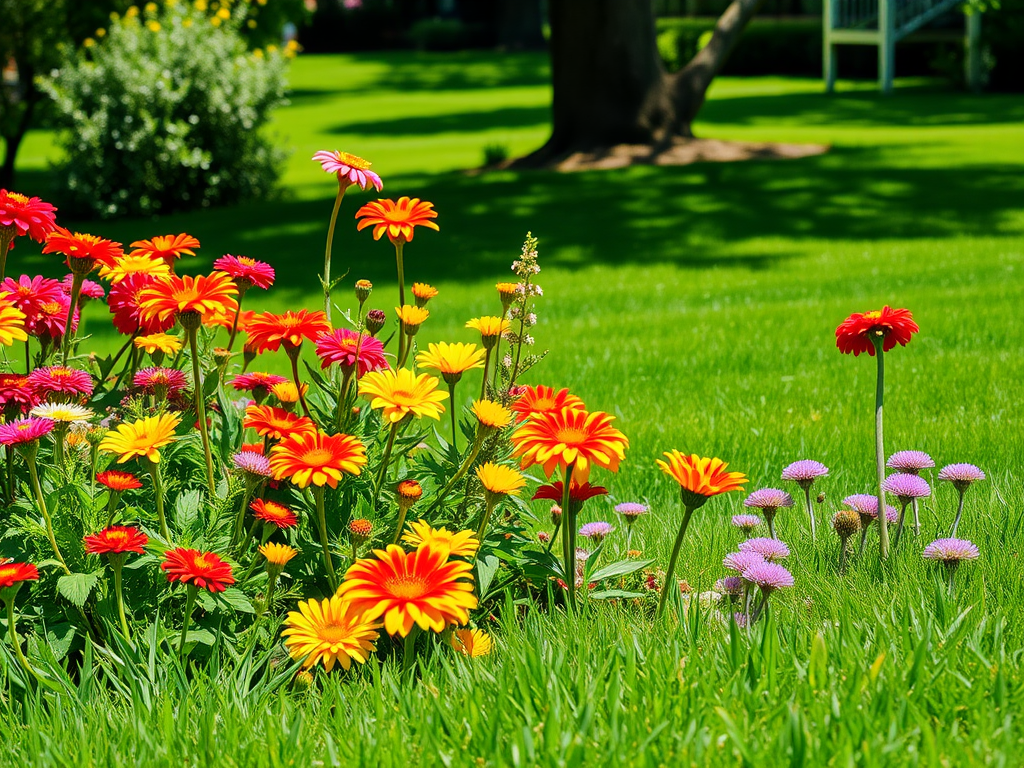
{"x":167,"y":111}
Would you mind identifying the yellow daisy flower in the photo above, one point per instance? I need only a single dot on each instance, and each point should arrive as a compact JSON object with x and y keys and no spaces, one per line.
{"x":135,"y":265}
{"x":472,"y":642}
{"x":329,"y":631}
{"x":141,"y":438}
{"x":400,"y":393}
{"x":159,"y":342}
{"x":457,"y":543}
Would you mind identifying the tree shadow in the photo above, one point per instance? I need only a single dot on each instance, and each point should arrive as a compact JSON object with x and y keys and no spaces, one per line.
{"x":450,"y":122}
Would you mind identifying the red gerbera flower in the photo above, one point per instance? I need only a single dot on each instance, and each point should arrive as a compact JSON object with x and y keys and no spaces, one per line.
{"x":22,"y":215}
{"x":892,"y":326}
{"x":274,"y":513}
{"x":202,"y":569}
{"x":15,"y":390}
{"x":58,"y":379}
{"x":541,"y":399}
{"x":256,"y":382}
{"x":268,"y":331}
{"x":16,"y":573}
{"x":166,"y":247}
{"x":252,"y":448}
{"x":124,"y":304}
{"x":577,"y":492}
{"x":116,"y":540}
{"x":118,"y":481}
{"x":83,"y":252}
{"x":245,"y":271}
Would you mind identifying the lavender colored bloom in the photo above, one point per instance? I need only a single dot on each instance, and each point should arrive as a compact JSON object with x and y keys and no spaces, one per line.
{"x":768,"y":576}
{"x":252,"y":463}
{"x":804,"y":472}
{"x":746,"y":523}
{"x":910,"y":462}
{"x":740,"y":561}
{"x":730,"y":585}
{"x":740,"y":618}
{"x":770,"y":549}
{"x":906,"y":487}
{"x":950,"y":551}
{"x":596,"y":532}
{"x":867,"y":507}
{"x":768,"y":498}
{"x":631,"y":510}
{"x":961,"y":475}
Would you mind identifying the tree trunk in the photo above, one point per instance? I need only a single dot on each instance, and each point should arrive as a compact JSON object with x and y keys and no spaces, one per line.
{"x":521,"y":25}
{"x":609,"y":86}
{"x":12,"y":139}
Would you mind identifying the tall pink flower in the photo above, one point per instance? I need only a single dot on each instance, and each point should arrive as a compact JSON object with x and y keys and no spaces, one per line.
{"x":246,"y":272}
{"x":61,"y":381}
{"x":340,"y":347}
{"x":349,"y":169}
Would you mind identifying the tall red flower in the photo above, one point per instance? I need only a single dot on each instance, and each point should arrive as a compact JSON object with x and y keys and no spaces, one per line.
{"x":892,"y":326}
{"x":22,"y":215}
{"x":83,"y":252}
{"x":201,"y":569}
{"x":116,"y":540}
{"x":398,"y":219}
{"x":16,"y":573}
{"x":118,"y":481}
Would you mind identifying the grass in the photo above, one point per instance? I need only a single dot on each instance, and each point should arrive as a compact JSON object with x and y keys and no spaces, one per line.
{"x":698,"y":305}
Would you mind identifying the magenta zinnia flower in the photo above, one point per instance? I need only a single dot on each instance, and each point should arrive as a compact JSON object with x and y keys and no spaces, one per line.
{"x":160,"y":381}
{"x":257,"y":383}
{"x":740,"y":561}
{"x":340,"y":347}
{"x":768,"y":576}
{"x":251,"y":463}
{"x":349,"y":169}
{"x":246,"y":271}
{"x":950,"y":551}
{"x":597,"y":531}
{"x":16,"y":391}
{"x":30,"y":293}
{"x":910,"y":462}
{"x":89,"y":290}
{"x":770,"y":549}
{"x":746,"y":523}
{"x":22,"y":431}
{"x":961,"y":475}
{"x":804,"y":472}
{"x":906,"y":487}
{"x":60,"y":380}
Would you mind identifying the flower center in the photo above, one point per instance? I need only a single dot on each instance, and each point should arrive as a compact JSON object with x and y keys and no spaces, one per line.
{"x":543,"y":404}
{"x":334,"y":633}
{"x":408,"y":587}
{"x":401,"y":397}
{"x":201,"y":562}
{"x":16,"y":197}
{"x":571,"y":436}
{"x":117,"y":537}
{"x":246,"y":261}
{"x":317,"y":457}
{"x":353,"y":161}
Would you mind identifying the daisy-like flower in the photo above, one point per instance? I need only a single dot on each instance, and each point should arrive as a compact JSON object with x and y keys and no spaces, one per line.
{"x":142,"y":438}
{"x":124,"y":306}
{"x":24,"y":431}
{"x":15,"y":391}
{"x":116,"y":540}
{"x":408,"y":493}
{"x":558,"y":439}
{"x":508,"y":293}
{"x":910,"y":462}
{"x":596,"y":531}
{"x":12,"y":322}
{"x":490,"y":329}
{"x":330,"y":631}
{"x":541,"y":399}
{"x":254,"y":465}
{"x":287,"y":393}
{"x":276,"y":423}
{"x":204,"y":570}
{"x":770,"y":549}
{"x":423,"y":293}
{"x":422,"y":587}
{"x":83,"y":252}
{"x":30,"y":293}
{"x":949,"y":551}
{"x":491,"y":415}
{"x":246,"y":272}
{"x":63,"y":413}
{"x":740,"y":561}
{"x":350,"y":169}
{"x":277,"y":555}
{"x":49,"y":323}
{"x":61,"y":382}
{"x":21,"y":215}
{"x":451,"y":360}
{"x":631,"y":510}
{"x":399,"y":392}
{"x":160,"y":381}
{"x":961,"y":475}
{"x":269,"y":331}
{"x":499,"y":479}
{"x":12,"y":574}
{"x":276,"y":514}
{"x":118,"y":482}
{"x":201,"y":295}
{"x":127,"y":266}
{"x":317,"y":459}
{"x":457,"y":543}
{"x":768,"y":576}
{"x":411,"y":317}
{"x":158,"y":342}
{"x":769,"y":501}
{"x":746,"y":523}
{"x":340,"y":347}
{"x":578,"y":493}
{"x":167,"y":248}
{"x":906,"y":487}
{"x":88,"y":289}
{"x":892,"y":326}
{"x":257,"y":383}
{"x":804,"y":472}
{"x":399,"y":219}
{"x":700,"y":478}
{"x":472,"y":642}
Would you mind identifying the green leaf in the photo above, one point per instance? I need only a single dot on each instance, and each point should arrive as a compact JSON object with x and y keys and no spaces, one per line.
{"x":59,"y":637}
{"x":614,"y":594}
{"x":620,"y":568}
{"x":186,"y":508}
{"x":486,"y":567}
{"x":76,"y":587}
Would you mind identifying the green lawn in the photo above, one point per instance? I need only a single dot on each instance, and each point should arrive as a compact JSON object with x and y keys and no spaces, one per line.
{"x":698,"y":305}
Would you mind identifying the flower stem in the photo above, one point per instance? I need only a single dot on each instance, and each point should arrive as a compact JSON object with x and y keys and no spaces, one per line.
{"x":41,"y":501}
{"x":327,"y":250}
{"x":321,"y":520}
{"x":115,"y":566}
{"x":200,"y":400}
{"x":400,"y":261}
{"x":883,"y":523}
{"x":917,"y":517}
{"x":489,"y":505}
{"x":409,"y":651}
{"x":17,"y":643}
{"x":470,"y":458}
{"x":899,"y":526}
{"x":483,"y":379}
{"x":234,"y":323}
{"x":158,"y":494}
{"x":294,"y":357}
{"x":385,"y":459}
{"x":769,"y":516}
{"x":844,"y":547}
{"x":568,"y":528}
{"x":959,"y":513}
{"x":451,"y":404}
{"x":69,"y":331}
{"x":669,"y":574}
{"x":190,"y":603}
{"x":240,"y":517}
{"x":810,"y":513}
{"x":402,"y":512}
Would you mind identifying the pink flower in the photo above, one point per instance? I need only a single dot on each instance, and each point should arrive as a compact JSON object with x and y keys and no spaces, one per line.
{"x":29,"y":293}
{"x":50,"y":320}
{"x":770,"y":549}
{"x":26,"y":215}
{"x":124,"y":305}
{"x":60,"y":380}
{"x":89,"y":290}
{"x":161,"y":381}
{"x":253,"y":382}
{"x":340,"y":347}
{"x":349,"y":169}
{"x":768,"y":576}
{"x":22,"y":431}
{"x":740,"y":561}
{"x":15,"y":390}
{"x":245,"y":271}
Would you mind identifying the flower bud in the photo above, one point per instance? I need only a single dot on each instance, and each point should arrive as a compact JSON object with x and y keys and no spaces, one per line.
{"x":363,"y":290}
{"x":375,"y":320}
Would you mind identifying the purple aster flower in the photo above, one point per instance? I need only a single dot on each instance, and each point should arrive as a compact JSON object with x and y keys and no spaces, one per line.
{"x":768,"y":576}
{"x":254,"y":465}
{"x":804,"y":472}
{"x":597,"y":531}
{"x":961,"y":475}
{"x":911,"y":462}
{"x":906,"y":487}
{"x":950,"y":551}
{"x":768,"y":498}
{"x":746,"y":523}
{"x":740,"y":561}
{"x":770,"y":549}
{"x":631,"y":510}
{"x":867,"y":507}
{"x":730,"y":585}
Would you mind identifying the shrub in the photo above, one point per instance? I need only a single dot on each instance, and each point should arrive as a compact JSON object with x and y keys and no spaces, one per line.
{"x":167,"y":111}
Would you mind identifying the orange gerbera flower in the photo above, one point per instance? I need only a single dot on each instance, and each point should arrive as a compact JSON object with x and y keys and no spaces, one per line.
{"x":541,"y":399}
{"x":205,"y":294}
{"x":84,"y":250}
{"x":268,"y":331}
{"x":399,"y":219}
{"x":892,"y":326}
{"x":421,"y":587}
{"x":274,"y":513}
{"x":116,"y":540}
{"x":167,"y":248}
{"x":119,"y":482}
{"x":569,"y":436}
{"x":700,"y":478}
{"x":203,"y":569}
{"x":317,"y":459}
{"x":276,"y":423}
